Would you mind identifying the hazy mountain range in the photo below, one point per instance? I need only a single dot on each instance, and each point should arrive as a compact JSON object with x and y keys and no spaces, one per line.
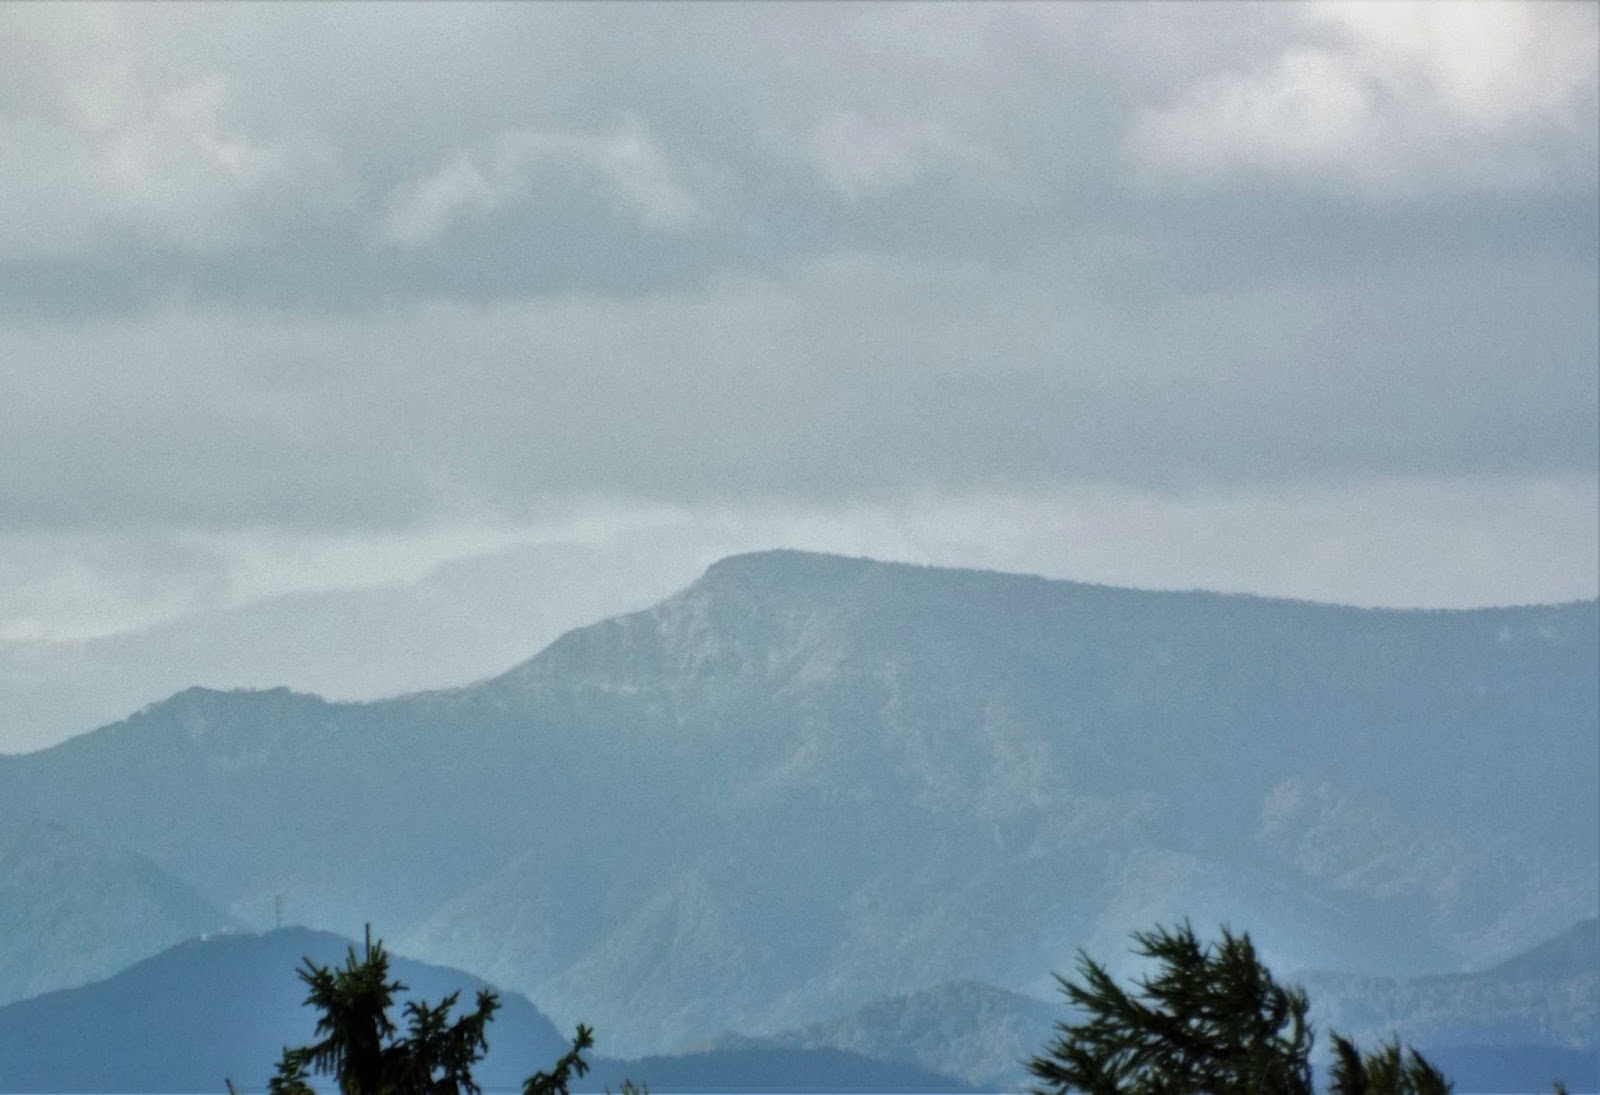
{"x":1546,"y":997}
{"x":969,"y":1030}
{"x":1513,"y":1027}
{"x":215,"y":1008}
{"x":223,"y":1007}
{"x":224,"y":1004}
{"x":807,"y":783}
{"x":73,"y":911}
{"x":453,"y":624}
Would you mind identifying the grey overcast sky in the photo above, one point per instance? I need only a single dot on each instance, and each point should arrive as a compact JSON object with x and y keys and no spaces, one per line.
{"x":1292,"y":298}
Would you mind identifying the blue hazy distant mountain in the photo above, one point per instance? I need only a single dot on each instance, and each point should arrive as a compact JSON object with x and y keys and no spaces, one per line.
{"x":806,"y":783}
{"x":1520,"y":1022}
{"x":1511,"y":1028}
{"x":978,"y":1033}
{"x":217,"y":1008}
{"x":455,"y":623}
{"x":223,"y":1007}
{"x":770,"y":1071}
{"x":72,"y":910}
{"x":1575,"y":949}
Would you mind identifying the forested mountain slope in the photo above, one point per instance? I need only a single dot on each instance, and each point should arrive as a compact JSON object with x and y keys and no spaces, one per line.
{"x":808,"y":782}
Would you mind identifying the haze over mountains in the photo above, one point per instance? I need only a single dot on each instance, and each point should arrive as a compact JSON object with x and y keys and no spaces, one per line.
{"x":1512,"y":1027}
{"x":73,"y":911}
{"x":976,"y":1032}
{"x":807,"y":783}
{"x":352,"y":643}
{"x":217,"y":1008}
{"x":1548,"y":996}
{"x":222,"y":1007}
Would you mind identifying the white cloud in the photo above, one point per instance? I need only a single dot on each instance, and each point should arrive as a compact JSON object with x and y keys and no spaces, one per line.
{"x":100,"y":146}
{"x":630,"y":163}
{"x":1066,"y":333}
{"x":165,"y":167}
{"x":857,"y":155}
{"x":175,"y":169}
{"x":96,"y":147}
{"x":1489,"y":65}
{"x":423,"y":210}
{"x":1394,"y":99}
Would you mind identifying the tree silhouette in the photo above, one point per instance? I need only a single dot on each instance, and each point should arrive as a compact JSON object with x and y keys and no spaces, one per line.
{"x":556,"y":1080}
{"x":1212,"y":1019}
{"x":361,"y":1047}
{"x":1388,"y":1070}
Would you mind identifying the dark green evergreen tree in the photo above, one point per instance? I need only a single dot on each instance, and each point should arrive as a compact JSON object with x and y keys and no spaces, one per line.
{"x":361,"y":1047}
{"x":1388,"y":1070}
{"x":1209,"y":1019}
{"x":555,"y":1081}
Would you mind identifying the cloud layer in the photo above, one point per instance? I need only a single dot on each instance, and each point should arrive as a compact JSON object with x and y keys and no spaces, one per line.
{"x":385,"y":275}
{"x":1397,"y":100}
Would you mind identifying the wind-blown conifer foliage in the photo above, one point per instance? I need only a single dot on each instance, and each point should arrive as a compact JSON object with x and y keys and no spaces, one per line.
{"x":1388,"y":1070}
{"x":1211,"y":1019}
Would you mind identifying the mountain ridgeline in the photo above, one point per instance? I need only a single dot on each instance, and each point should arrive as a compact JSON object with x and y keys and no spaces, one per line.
{"x":218,"y":1007}
{"x":74,"y":911}
{"x":807,"y":782}
{"x":222,"y":1007}
{"x":1509,"y":1028}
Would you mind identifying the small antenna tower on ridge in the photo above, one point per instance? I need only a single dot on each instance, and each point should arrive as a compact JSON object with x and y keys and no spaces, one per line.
{"x":277,"y":911}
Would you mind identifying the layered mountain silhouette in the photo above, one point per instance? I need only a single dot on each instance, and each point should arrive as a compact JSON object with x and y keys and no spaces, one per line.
{"x":221,"y":1007}
{"x":354,"y":643}
{"x":72,"y":910}
{"x":224,"y":1006}
{"x":975,"y":1032}
{"x":1514,"y":1027}
{"x":1521,"y":1022}
{"x":807,"y":783}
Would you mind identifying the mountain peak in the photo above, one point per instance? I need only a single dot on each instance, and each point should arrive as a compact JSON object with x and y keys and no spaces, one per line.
{"x":222,"y":1004}
{"x":786,"y":570}
{"x":792,"y":561}
{"x":1577,"y":948}
{"x":235,"y":722}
